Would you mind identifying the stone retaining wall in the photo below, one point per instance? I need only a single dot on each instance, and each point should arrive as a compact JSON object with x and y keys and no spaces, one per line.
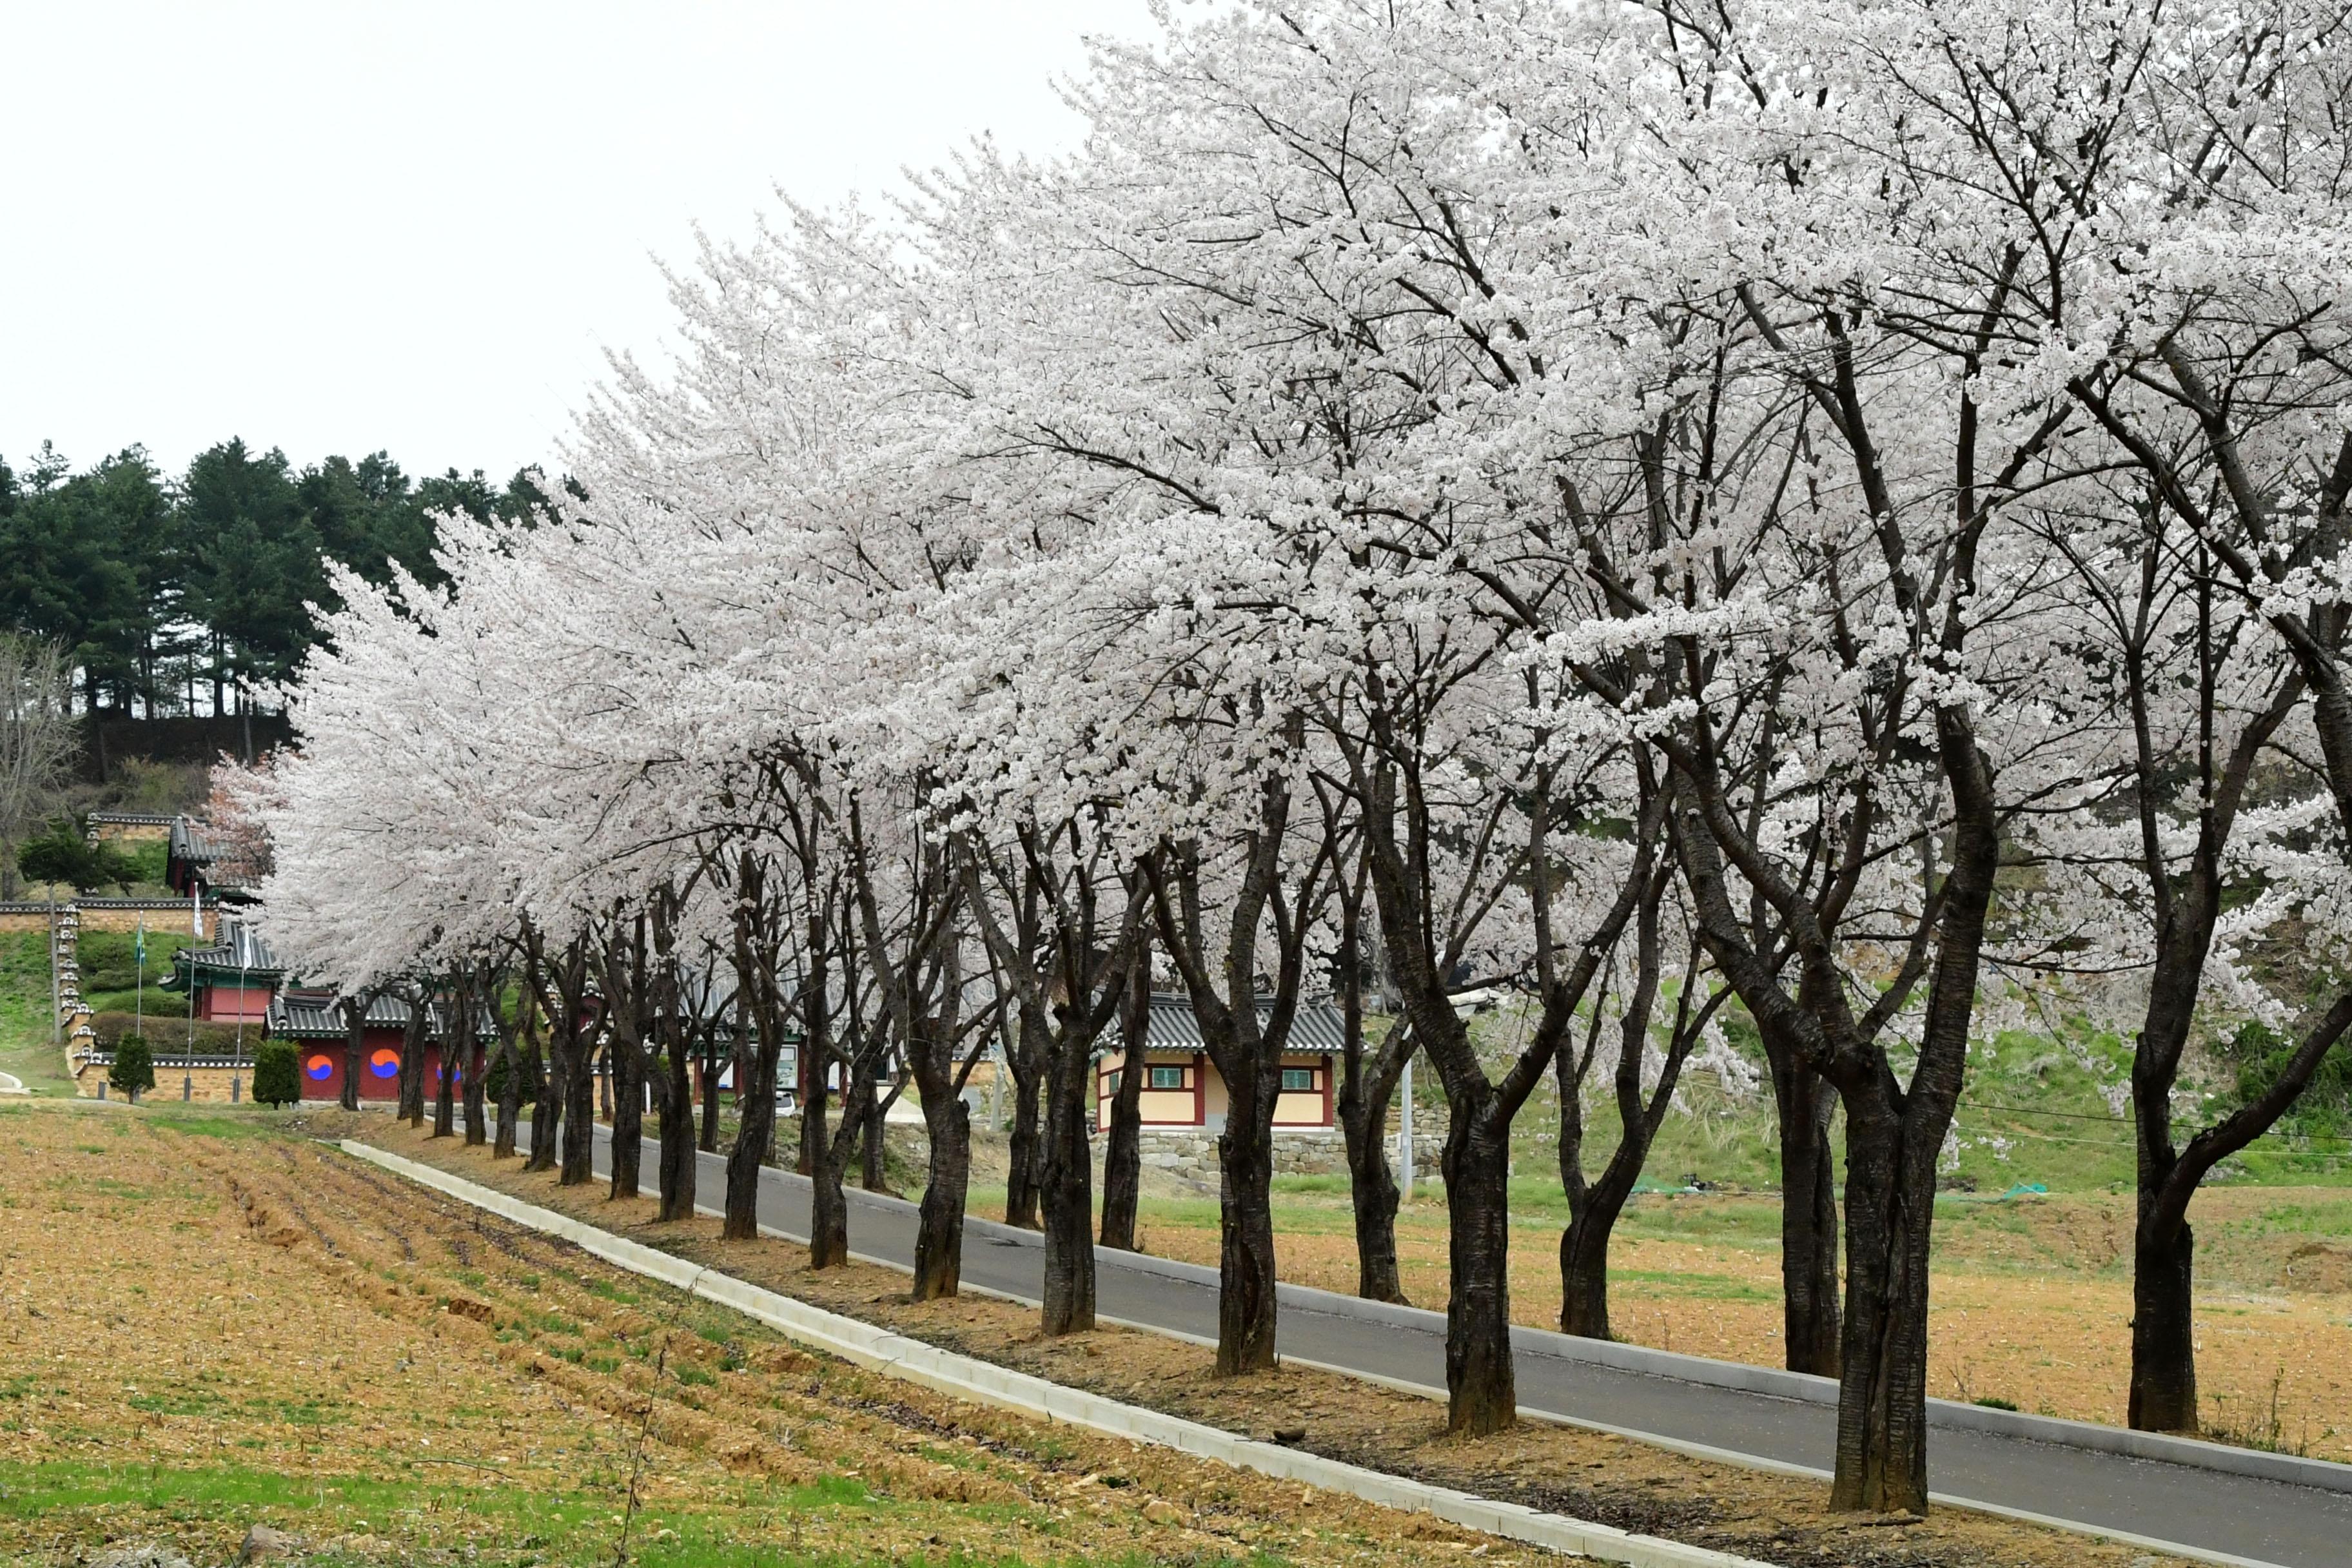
{"x":1190,"y":1153}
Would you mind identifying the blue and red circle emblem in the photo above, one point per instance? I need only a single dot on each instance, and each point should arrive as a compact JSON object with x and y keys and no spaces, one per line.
{"x":384,"y":1063}
{"x":320,"y":1068}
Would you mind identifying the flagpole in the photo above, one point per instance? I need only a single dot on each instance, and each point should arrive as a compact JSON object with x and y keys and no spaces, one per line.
{"x":138,"y":958}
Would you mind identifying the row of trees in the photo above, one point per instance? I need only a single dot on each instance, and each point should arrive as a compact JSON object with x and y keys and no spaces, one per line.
{"x":176,"y":596}
{"x":1833,"y":511}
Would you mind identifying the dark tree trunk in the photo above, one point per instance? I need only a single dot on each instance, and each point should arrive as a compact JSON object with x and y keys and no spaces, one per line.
{"x":412,"y":1066}
{"x":677,"y":1098}
{"x":510,"y":1101}
{"x":1372,"y":1192}
{"x":755,"y":1128}
{"x":1881,"y":1396}
{"x":828,"y":1204}
{"x":709,"y":1142}
{"x":478,"y":1119}
{"x":354,"y":1049}
{"x":580,"y":1114}
{"x":1809,"y":1219}
{"x":1026,"y":1153}
{"x":445,"y":1076}
{"x":2164,"y":1344}
{"x":546,"y":1108}
{"x":1123,"y":1142}
{"x":626,"y":1077}
{"x":872,"y":1149}
{"x":1067,"y":1191}
{"x":1245,"y":1262}
{"x":1483,"y":1388}
{"x":939,"y":1233}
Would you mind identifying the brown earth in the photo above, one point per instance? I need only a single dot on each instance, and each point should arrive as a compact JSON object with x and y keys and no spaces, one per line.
{"x":1592,"y":1475}
{"x":208,"y":1324}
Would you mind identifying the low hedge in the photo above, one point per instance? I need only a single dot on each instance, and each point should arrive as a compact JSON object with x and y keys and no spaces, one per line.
{"x":170,"y":1036}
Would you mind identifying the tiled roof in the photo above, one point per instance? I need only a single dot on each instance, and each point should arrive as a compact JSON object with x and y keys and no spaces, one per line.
{"x":135,"y":818}
{"x":240,"y":947}
{"x":1316,"y":1028}
{"x":319,"y":1015}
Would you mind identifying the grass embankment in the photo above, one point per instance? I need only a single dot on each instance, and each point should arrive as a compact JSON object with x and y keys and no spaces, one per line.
{"x":28,"y":1050}
{"x":209,"y":1323}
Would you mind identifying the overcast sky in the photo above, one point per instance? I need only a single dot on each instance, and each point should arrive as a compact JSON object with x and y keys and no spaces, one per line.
{"x":336,"y":228}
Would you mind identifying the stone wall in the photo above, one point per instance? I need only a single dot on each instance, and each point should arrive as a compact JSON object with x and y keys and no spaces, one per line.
{"x":207,"y":1085}
{"x":1190,"y":1153}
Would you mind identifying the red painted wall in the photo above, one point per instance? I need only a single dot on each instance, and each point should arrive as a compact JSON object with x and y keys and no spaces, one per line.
{"x":379,"y":1067}
{"x":227,"y":1004}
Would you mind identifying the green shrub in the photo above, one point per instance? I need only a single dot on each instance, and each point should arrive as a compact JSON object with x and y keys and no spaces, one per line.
{"x":63,"y":856}
{"x":173,"y":1034}
{"x":276,"y":1081}
{"x":133,"y":1072}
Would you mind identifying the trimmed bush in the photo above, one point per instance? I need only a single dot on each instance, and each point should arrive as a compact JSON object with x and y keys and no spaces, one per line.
{"x":276,"y":1081}
{"x":133,"y":1072}
{"x":172,"y":1035}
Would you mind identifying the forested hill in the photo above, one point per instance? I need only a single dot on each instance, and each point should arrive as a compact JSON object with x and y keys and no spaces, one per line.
{"x":179,"y":592}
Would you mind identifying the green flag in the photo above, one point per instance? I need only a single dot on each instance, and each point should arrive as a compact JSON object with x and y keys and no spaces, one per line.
{"x":138,"y":946}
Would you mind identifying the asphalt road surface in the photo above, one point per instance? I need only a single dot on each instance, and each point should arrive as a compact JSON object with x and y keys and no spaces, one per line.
{"x":2262,"y":1521}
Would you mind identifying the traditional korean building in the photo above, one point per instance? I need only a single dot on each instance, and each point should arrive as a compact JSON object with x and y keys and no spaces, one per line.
{"x":190,"y":857}
{"x":1183,"y":1088}
{"x":313,"y":1020}
{"x":231,"y":980}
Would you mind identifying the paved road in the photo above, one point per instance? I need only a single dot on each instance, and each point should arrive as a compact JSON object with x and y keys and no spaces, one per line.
{"x":2262,"y":1521}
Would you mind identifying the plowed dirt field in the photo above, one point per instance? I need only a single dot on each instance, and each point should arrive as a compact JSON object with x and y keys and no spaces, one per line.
{"x":210,"y":1323}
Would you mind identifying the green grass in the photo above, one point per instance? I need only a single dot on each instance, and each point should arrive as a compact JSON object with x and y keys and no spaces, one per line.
{"x":750,"y":1525}
{"x":27,"y":1048}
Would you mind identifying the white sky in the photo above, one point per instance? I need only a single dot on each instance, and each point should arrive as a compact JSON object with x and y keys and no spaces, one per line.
{"x":332,"y":227}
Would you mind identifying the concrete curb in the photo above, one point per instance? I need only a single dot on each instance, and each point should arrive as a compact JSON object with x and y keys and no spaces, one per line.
{"x":895,"y":1355}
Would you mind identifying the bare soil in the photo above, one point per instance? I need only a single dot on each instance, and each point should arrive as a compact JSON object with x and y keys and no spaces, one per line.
{"x":206,"y":1324}
{"x":1781,"y":1520}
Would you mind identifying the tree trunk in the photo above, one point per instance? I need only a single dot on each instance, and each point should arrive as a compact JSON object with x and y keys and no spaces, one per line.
{"x":546,"y":1107}
{"x":1482,"y":1387}
{"x":871,"y":1150}
{"x":625,"y":1075}
{"x":1067,"y":1192}
{"x":1123,"y":1152}
{"x":1363,"y":1115}
{"x":510,"y":1102}
{"x":1809,"y":1219}
{"x":412,"y":1067}
{"x":755,"y":1127}
{"x":2164,"y":1343}
{"x":1882,"y":1429}
{"x":828,"y":1205}
{"x":477,"y":1120}
{"x":1245,"y":1272}
{"x":445,"y":1078}
{"x":579,"y":1115}
{"x":709,"y":1085}
{"x":677,"y":1145}
{"x":1026,"y":1155}
{"x":354,"y":1052}
{"x":939,"y":1233}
